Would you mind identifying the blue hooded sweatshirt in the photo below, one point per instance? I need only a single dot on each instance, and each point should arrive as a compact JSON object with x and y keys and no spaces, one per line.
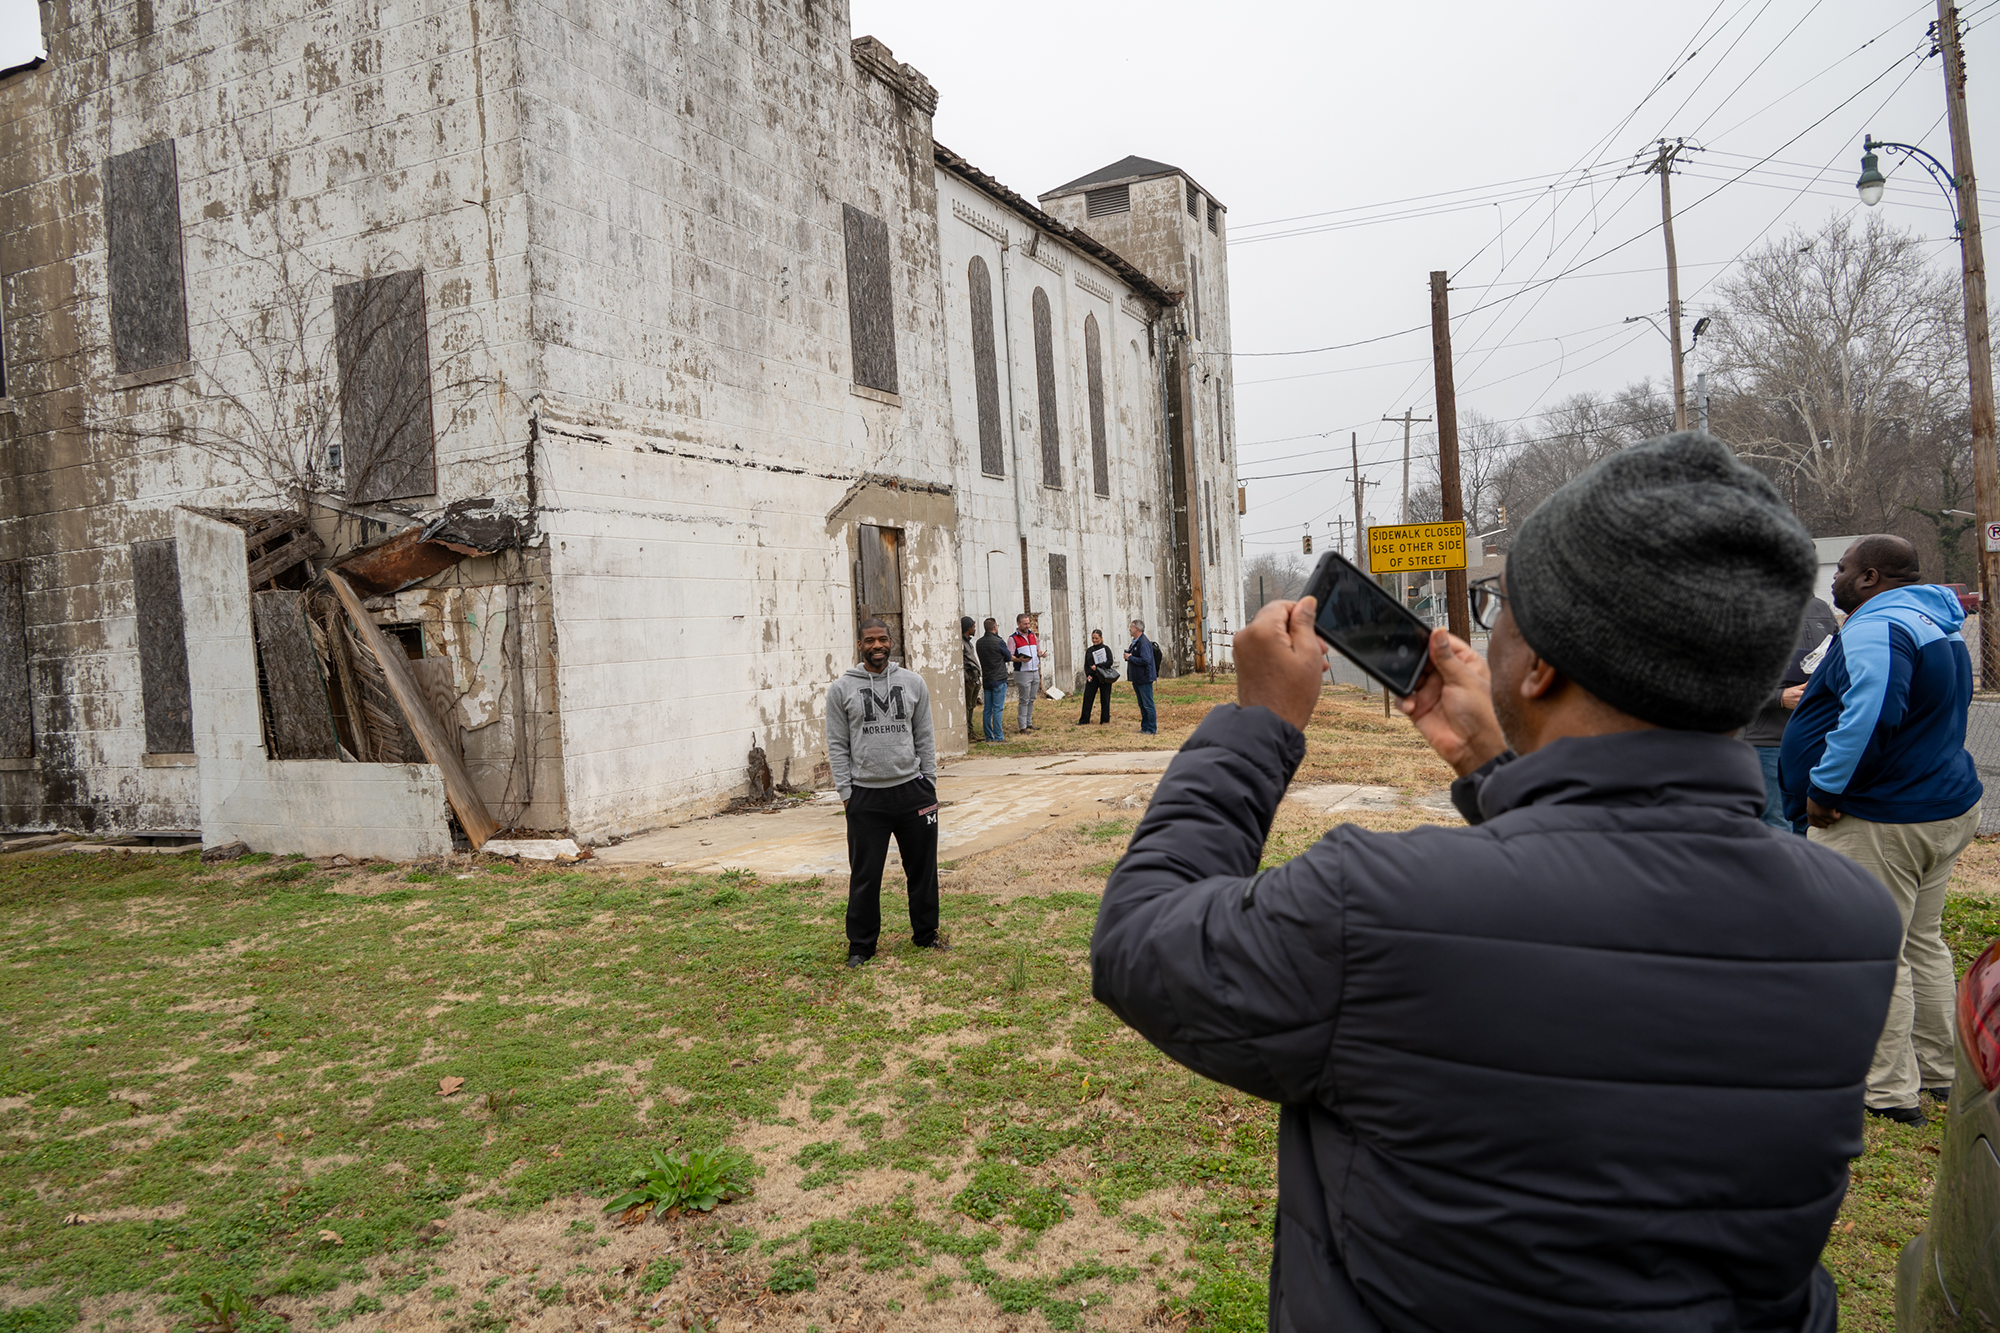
{"x":1880,"y":731}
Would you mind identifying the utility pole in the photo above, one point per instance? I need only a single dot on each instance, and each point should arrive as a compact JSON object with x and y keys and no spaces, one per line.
{"x":1458,"y":608}
{"x":1978,"y":340}
{"x":1663,"y":163}
{"x":1403,"y":579}
{"x":1701,"y":399}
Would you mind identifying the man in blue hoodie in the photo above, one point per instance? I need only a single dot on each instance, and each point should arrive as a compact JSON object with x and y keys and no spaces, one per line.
{"x":1874,"y":759}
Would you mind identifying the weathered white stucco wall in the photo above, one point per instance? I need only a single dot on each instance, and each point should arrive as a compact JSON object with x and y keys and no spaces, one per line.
{"x":699,"y":427}
{"x":316,"y":143}
{"x":1122,"y":535}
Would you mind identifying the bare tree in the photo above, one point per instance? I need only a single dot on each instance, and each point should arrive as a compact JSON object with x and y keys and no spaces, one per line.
{"x":1484,"y":449}
{"x":1835,"y":349}
{"x":323,"y":383}
{"x":1273,"y":577}
{"x":1578,"y":432}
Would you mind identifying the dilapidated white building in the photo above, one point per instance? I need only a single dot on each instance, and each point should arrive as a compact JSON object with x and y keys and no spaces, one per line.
{"x":505,"y":411}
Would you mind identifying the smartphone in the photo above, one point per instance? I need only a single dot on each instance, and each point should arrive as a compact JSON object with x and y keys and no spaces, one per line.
{"x":1368,"y":625}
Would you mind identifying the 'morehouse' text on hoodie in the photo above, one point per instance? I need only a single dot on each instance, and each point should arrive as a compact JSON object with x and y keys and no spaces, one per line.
{"x":878,"y":729}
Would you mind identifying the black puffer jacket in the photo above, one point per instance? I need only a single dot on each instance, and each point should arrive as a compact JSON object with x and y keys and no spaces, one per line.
{"x":1593,"y":1064}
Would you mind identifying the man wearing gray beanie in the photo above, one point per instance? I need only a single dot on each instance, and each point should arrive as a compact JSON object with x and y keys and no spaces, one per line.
{"x":1593,"y":1061}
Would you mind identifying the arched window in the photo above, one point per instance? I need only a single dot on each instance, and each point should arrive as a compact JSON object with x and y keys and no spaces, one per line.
{"x":1093,"y":361}
{"x":985,"y":378}
{"x":1045,"y":389}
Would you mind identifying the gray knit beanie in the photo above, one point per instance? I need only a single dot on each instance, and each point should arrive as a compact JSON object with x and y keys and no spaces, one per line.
{"x":1669,"y":580}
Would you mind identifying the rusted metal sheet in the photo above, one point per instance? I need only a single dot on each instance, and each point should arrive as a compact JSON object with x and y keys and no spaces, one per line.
{"x":466,"y":528}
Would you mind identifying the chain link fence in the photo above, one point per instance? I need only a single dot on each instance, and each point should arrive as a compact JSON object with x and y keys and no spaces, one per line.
{"x":1982,"y":741}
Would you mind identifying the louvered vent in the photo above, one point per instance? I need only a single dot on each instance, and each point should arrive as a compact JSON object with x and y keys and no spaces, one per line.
{"x":1194,"y":201}
{"x":1103,"y":203}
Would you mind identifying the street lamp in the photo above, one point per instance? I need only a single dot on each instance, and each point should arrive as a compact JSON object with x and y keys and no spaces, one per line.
{"x":1873,"y":182}
{"x":1961,"y":191}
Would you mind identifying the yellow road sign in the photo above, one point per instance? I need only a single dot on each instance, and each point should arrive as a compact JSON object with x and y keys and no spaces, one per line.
{"x":1403,"y":547}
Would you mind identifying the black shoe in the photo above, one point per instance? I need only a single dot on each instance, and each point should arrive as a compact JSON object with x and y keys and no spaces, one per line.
{"x":1939,"y":1095}
{"x":1902,"y":1115}
{"x":941,"y":944}
{"x":856,"y":959}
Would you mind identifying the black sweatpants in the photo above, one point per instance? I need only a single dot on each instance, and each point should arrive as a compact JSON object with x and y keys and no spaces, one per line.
{"x":1093,"y":688}
{"x":874,"y":814}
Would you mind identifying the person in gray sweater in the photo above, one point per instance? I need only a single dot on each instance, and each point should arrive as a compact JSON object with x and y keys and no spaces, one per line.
{"x":884,"y":760}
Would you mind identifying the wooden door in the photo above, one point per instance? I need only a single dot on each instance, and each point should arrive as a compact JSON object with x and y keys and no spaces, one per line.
{"x":879,"y":589}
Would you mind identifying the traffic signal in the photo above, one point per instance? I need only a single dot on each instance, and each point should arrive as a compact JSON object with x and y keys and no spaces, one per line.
{"x":1307,"y":541}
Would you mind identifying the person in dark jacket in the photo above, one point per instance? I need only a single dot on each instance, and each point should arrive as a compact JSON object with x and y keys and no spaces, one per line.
{"x":1595,"y":1060}
{"x":1767,"y":730}
{"x":995,"y":659}
{"x":1142,"y":666}
{"x":1099,"y":675}
{"x":973,"y":674}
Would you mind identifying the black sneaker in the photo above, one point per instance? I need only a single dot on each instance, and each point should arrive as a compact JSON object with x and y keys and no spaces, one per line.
{"x":1902,"y":1115}
{"x":856,"y":959}
{"x":941,"y":944}
{"x":1939,"y":1095}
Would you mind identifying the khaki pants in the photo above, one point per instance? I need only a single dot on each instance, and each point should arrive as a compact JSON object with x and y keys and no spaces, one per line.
{"x":1914,"y":861}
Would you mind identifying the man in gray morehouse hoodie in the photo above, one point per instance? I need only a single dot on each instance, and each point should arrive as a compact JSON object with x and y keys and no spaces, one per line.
{"x":879,"y":744}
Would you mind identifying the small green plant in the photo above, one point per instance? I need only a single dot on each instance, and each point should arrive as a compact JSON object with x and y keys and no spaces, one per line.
{"x":697,"y":1180}
{"x":580,"y":1227}
{"x":792,"y":1275}
{"x":224,"y":1315}
{"x":1017,"y":974}
{"x":502,"y":1105}
{"x":658,"y":1274}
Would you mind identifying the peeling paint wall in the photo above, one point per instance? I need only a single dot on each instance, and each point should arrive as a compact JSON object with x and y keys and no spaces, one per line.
{"x":1125,"y":535}
{"x":1164,"y":240}
{"x":314,"y":143}
{"x":688,"y":170}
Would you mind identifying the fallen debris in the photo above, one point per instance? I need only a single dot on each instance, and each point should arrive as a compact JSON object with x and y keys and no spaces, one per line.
{"x":228,"y":851}
{"x":534,"y":849}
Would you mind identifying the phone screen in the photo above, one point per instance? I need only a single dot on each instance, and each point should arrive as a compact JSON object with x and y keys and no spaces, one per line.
{"x":1367,"y":624}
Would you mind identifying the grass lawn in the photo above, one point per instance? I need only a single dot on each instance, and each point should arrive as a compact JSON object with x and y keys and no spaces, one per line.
{"x":226,"y":1080}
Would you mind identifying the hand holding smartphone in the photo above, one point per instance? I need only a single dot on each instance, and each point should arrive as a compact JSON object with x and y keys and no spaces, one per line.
{"x":1368,"y":626}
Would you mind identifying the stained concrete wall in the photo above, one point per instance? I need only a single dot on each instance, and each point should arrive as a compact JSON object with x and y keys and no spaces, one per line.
{"x":1160,"y":237}
{"x":1125,"y":535}
{"x":703,"y":452}
{"x":319,"y":808}
{"x":314,"y":143}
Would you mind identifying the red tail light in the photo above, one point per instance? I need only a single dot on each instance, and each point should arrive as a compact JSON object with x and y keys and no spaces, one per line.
{"x":1979,"y":1015}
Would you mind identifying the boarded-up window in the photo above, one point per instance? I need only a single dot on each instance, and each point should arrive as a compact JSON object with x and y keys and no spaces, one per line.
{"x":142,"y":232}
{"x":1194,"y":294}
{"x":870,"y":302}
{"x":1045,"y":390}
{"x":1055,"y":639}
{"x":879,"y":585}
{"x":1221,"y":425}
{"x":163,"y":666}
{"x":985,"y":371}
{"x":1093,"y":362}
{"x":387,"y":448}
{"x":17,"y":727}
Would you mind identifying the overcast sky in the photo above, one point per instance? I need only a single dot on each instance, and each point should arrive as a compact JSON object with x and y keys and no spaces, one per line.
{"x":1491,"y":141}
{"x":1339,"y":114}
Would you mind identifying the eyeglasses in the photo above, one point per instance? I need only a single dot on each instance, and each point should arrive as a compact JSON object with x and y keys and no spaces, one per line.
{"x":1486,"y":600}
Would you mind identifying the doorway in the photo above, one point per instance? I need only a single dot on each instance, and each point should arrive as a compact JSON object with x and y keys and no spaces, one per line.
{"x":878,"y":587}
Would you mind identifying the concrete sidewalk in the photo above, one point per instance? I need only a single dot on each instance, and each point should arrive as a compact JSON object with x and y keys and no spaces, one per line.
{"x":988,"y":803}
